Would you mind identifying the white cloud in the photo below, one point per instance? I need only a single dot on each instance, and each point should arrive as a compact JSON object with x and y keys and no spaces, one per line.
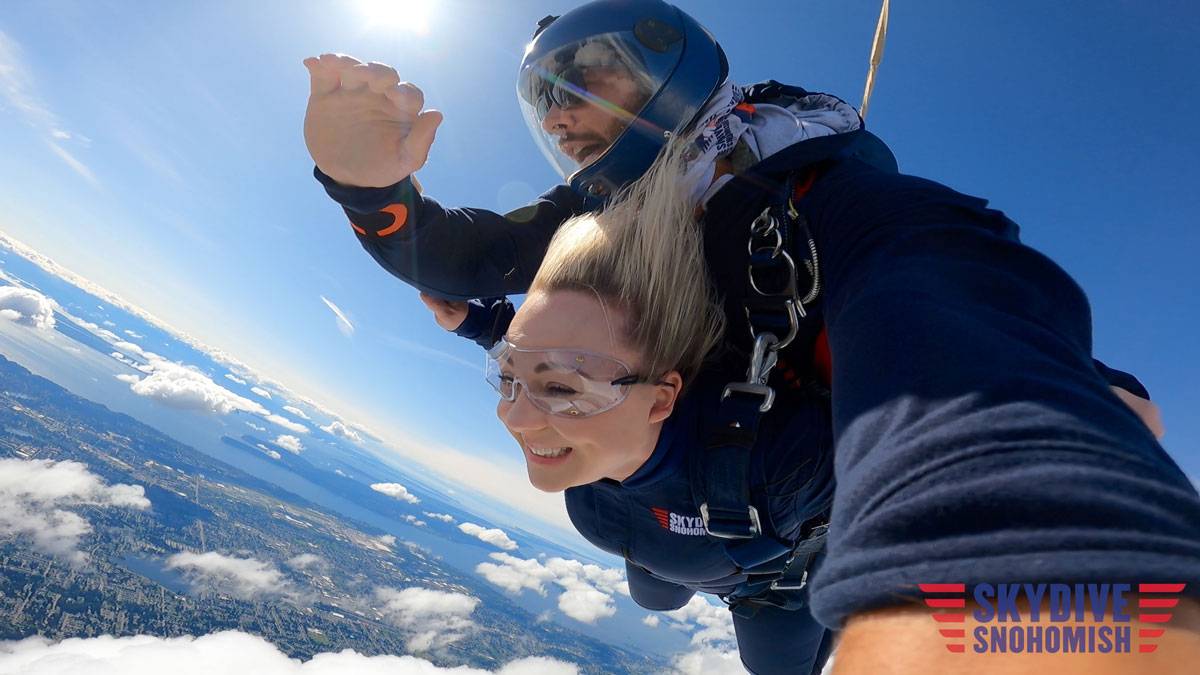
{"x":651,"y":620}
{"x":255,"y":427}
{"x":234,"y":378}
{"x":336,"y":428}
{"x":343,"y":323}
{"x":396,"y":491}
{"x":714,"y":643}
{"x":586,"y":604}
{"x":245,"y":578}
{"x":274,"y":455}
{"x":185,"y":387}
{"x":131,"y":348}
{"x":516,"y":574}
{"x":383,"y":542}
{"x":289,"y":443}
{"x":444,"y":517}
{"x":503,"y":481}
{"x":35,"y":495}
{"x":306,"y":561}
{"x":229,"y":651}
{"x":26,"y":306}
{"x":432,"y":618}
{"x":134,"y":334}
{"x":587,"y":590}
{"x":710,"y":661}
{"x":261,"y":392}
{"x":494,"y":536}
{"x":128,"y":378}
{"x":284,"y":422}
{"x":713,"y":625}
{"x":413,"y":520}
{"x":296,"y":411}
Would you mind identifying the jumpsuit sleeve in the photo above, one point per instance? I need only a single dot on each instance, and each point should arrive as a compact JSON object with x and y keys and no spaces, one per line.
{"x":1122,"y":379}
{"x":650,"y":592}
{"x":975,"y":440}
{"x":487,"y":320}
{"x":455,"y":254}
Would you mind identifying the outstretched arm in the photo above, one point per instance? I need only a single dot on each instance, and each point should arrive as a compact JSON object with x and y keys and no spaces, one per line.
{"x":482,"y":321}
{"x":907,"y":641}
{"x":975,"y":440}
{"x":367,"y":132}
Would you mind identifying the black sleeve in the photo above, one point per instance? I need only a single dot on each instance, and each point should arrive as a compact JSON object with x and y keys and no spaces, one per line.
{"x":487,"y":320}
{"x":650,"y":592}
{"x":975,"y":440}
{"x":456,"y":254}
{"x":1122,"y":379}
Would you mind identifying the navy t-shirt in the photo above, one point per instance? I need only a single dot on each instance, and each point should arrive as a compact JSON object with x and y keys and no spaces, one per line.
{"x":976,"y":442}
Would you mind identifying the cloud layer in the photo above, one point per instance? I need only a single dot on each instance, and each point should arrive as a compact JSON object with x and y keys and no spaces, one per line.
{"x":340,"y":430}
{"x":226,"y":652}
{"x":586,"y":590}
{"x":245,"y":578}
{"x":27,"y":307}
{"x":35,"y":495}
{"x":432,"y":618}
{"x":396,"y":491}
{"x":187,"y":387}
{"x":289,"y":443}
{"x":494,"y":536}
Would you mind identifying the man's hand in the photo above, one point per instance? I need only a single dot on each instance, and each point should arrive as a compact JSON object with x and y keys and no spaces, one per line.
{"x":364,"y":127}
{"x":1145,"y":409}
{"x":448,"y":314}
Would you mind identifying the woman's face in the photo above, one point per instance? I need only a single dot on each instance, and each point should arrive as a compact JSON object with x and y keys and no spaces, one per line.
{"x":611,"y":444}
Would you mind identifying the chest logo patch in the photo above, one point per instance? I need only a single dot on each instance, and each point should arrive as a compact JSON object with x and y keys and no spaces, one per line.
{"x":673,"y":522}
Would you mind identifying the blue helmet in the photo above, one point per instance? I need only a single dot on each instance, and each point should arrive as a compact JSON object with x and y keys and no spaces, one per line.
{"x":605,"y":84}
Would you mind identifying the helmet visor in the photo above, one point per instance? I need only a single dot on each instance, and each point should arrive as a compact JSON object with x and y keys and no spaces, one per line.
{"x":566,"y":382}
{"x":579,"y":98}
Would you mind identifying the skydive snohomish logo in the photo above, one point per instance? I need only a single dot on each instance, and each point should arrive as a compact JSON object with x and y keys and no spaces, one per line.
{"x":1055,"y":612}
{"x":689,"y":525}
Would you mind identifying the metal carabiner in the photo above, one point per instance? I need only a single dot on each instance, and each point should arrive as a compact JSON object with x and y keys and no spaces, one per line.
{"x":763,"y":358}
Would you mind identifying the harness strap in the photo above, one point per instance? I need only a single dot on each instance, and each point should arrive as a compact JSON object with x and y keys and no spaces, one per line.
{"x":721,"y":472}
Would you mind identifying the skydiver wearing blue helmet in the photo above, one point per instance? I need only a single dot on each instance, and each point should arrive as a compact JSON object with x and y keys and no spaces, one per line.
{"x":976,"y":439}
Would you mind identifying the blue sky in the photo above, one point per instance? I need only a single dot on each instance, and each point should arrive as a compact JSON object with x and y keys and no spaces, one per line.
{"x":156,"y":149}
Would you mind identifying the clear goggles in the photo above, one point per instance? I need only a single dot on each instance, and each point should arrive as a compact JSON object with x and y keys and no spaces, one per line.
{"x":611,"y":73}
{"x":567,"y":382}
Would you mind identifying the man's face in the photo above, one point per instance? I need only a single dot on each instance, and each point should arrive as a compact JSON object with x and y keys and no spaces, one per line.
{"x":585,"y":129}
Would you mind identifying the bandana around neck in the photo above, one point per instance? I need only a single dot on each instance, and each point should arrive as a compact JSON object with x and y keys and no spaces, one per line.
{"x":766,"y":129}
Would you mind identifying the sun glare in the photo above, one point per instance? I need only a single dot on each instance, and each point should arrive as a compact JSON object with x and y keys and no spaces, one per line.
{"x":409,"y":15}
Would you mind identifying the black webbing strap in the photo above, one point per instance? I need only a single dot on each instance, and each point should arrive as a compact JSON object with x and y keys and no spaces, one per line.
{"x":722,"y":472}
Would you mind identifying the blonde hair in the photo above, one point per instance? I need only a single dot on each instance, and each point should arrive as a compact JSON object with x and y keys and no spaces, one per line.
{"x":644,"y":254}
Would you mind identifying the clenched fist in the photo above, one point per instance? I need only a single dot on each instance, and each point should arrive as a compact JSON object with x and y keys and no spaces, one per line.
{"x":365,"y":127}
{"x":448,"y":314}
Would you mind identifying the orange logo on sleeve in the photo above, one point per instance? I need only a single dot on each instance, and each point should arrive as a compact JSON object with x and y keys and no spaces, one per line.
{"x":400,"y":217}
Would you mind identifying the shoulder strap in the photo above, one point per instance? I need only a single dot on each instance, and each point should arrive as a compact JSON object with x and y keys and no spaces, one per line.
{"x":720,"y":474}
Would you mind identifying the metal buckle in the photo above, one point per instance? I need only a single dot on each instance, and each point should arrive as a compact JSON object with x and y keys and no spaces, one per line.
{"x":767,"y":393}
{"x":785,"y":584}
{"x":755,"y":525}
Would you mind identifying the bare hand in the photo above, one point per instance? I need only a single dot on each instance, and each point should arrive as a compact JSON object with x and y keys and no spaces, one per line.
{"x":1145,"y":409}
{"x":448,"y":314}
{"x":364,"y":126}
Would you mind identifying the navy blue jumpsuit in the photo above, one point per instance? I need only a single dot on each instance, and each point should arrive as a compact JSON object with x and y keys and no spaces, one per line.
{"x":976,"y":439}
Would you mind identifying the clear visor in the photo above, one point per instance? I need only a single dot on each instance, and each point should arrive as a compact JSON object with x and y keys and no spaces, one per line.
{"x":565,"y":382}
{"x":580,"y":98}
